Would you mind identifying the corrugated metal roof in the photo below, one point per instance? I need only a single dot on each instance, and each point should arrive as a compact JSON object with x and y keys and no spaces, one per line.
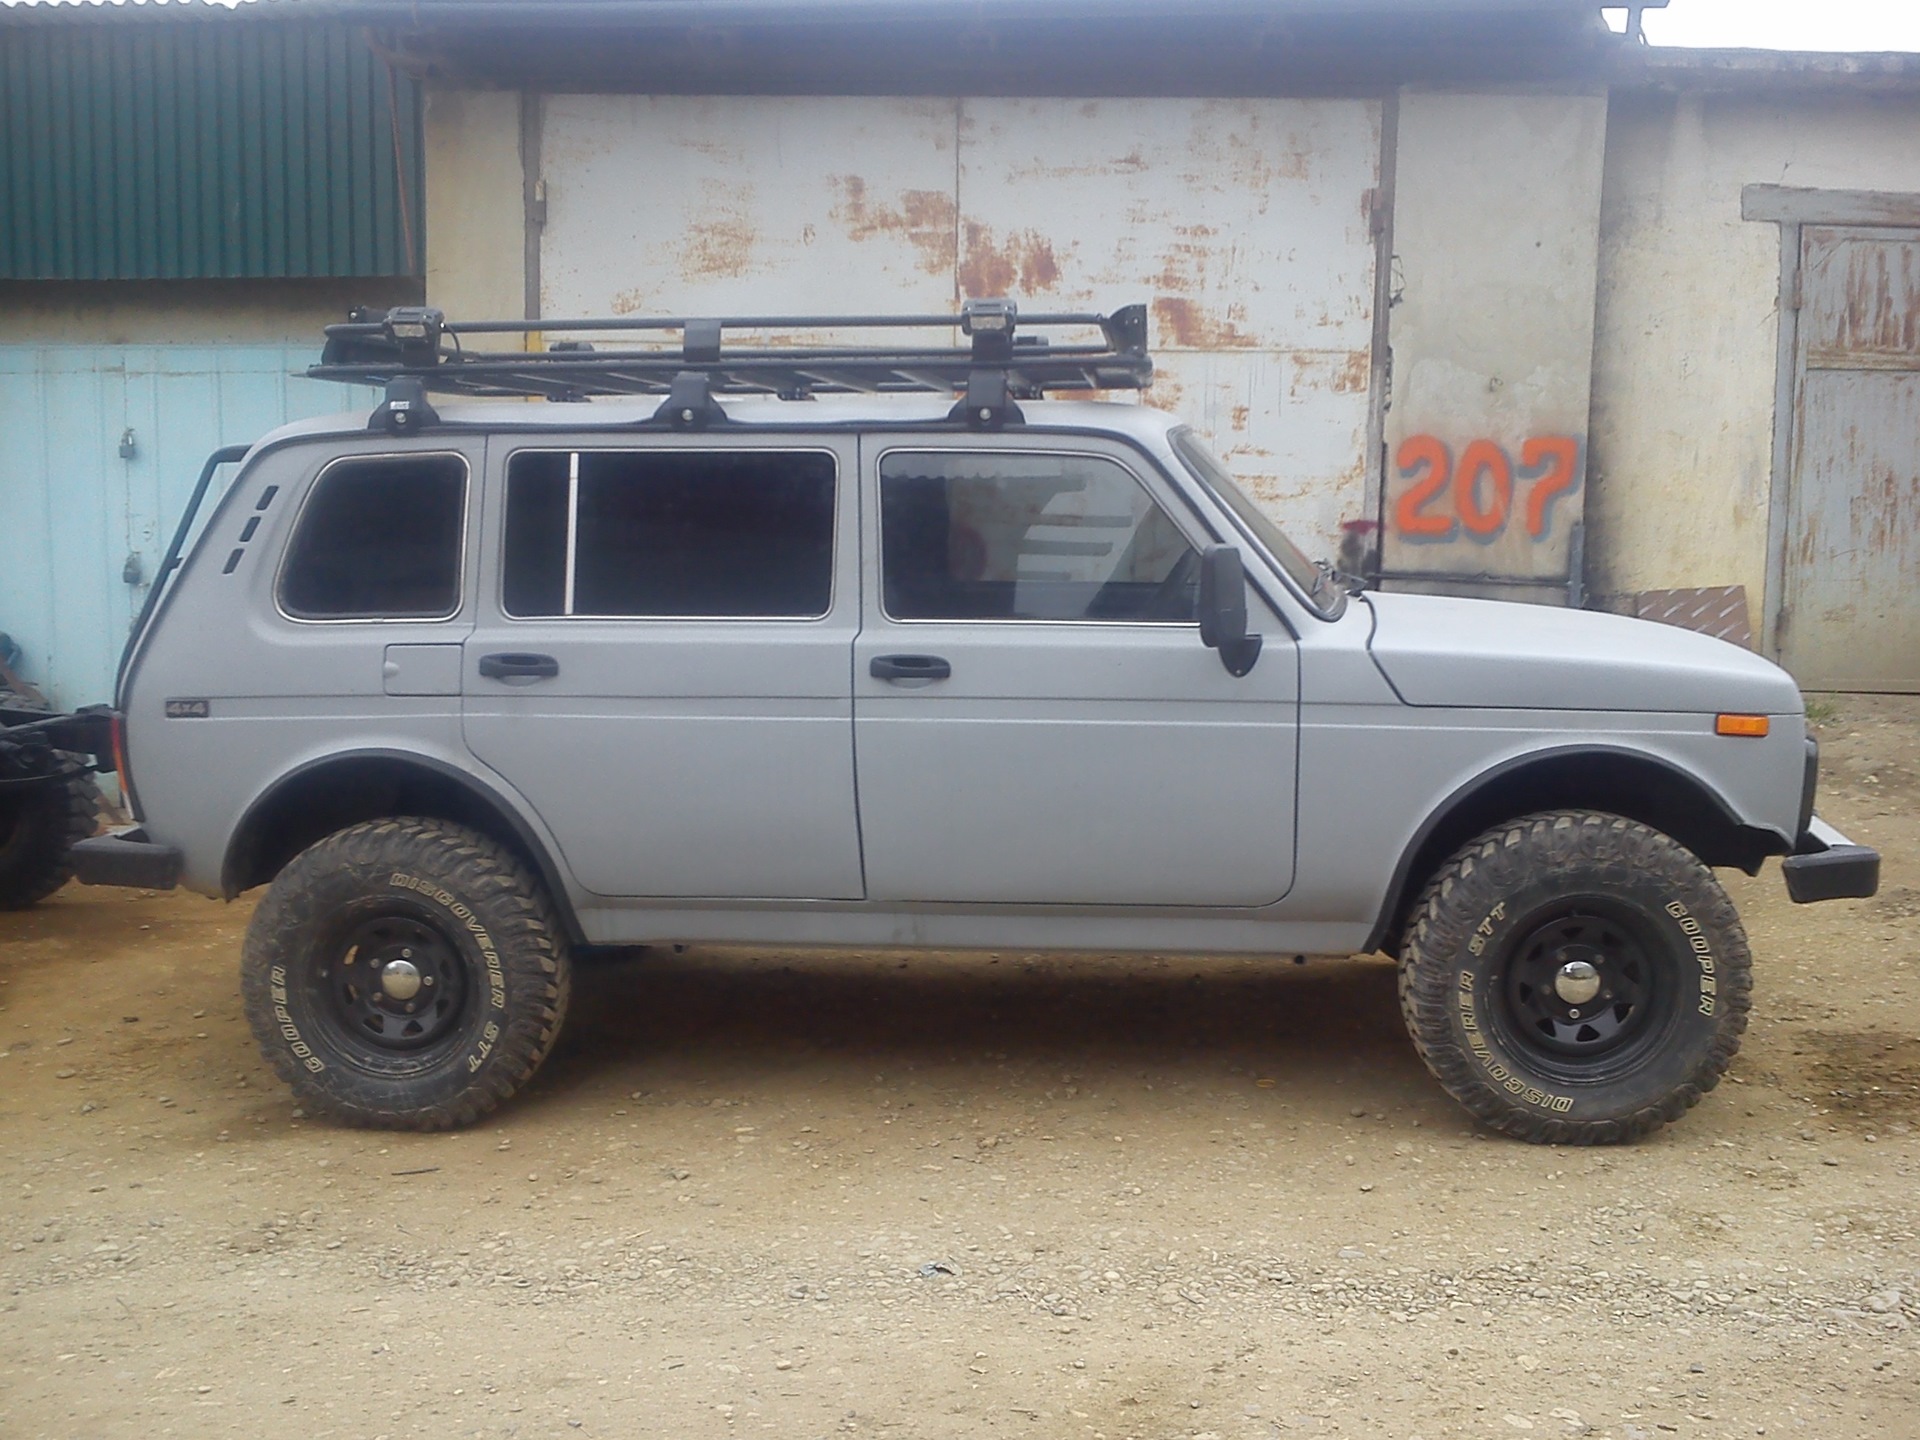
{"x":1768,"y":72}
{"x":205,"y":151}
{"x":989,"y":47}
{"x":145,"y":7}
{"x":795,"y":11}
{"x":679,"y":10}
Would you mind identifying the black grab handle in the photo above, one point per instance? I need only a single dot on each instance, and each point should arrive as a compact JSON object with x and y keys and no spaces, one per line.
{"x":516,"y":666}
{"x":909,"y":667}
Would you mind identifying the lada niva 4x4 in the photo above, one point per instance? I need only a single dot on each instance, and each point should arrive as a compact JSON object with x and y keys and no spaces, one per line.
{"x":784,"y":645}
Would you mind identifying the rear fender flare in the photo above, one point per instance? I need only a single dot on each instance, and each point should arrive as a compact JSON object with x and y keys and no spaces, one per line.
{"x":508,"y":816}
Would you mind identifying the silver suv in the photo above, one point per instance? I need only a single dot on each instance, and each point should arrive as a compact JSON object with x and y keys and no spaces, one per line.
{"x":780,"y":645}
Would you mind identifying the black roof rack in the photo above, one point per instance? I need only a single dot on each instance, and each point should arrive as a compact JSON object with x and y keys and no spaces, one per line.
{"x":413,"y":350}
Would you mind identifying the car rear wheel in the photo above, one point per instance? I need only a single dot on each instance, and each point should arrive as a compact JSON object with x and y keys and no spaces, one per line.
{"x":405,"y":973}
{"x":1576,"y":978}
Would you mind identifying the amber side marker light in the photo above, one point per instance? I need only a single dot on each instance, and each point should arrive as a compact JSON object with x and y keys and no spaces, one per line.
{"x":1753,"y":725}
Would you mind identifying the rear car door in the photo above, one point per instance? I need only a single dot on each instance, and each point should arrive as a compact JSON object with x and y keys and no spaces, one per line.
{"x":660,"y":664}
{"x":1035,"y":717}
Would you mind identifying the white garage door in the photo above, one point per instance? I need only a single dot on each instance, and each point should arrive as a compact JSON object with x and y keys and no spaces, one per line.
{"x":1245,"y":224}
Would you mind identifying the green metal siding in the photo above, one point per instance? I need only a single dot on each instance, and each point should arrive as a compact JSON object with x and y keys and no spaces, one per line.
{"x":205,"y":150}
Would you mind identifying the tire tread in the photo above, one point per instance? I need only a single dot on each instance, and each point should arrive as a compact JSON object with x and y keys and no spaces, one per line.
{"x":1497,"y":861}
{"x":526,"y":933}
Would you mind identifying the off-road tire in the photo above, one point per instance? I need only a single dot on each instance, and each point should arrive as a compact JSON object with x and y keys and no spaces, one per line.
{"x":39,"y":826}
{"x":1489,"y":936}
{"x":470,"y":919}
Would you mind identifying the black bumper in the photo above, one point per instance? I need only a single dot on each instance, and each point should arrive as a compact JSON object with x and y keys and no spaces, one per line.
{"x":1825,"y":865}
{"x":126,"y":857}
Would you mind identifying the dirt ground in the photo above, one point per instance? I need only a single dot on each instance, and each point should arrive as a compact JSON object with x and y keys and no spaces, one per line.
{"x":806,"y":1195}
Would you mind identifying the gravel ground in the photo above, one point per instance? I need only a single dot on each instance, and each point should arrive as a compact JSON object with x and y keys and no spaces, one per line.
{"x":807,"y":1194}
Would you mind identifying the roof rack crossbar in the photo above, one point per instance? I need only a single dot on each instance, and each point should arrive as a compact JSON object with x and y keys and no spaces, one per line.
{"x":997,"y":360}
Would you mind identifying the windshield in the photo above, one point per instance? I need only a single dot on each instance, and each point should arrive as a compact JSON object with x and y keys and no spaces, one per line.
{"x":1315,"y":581}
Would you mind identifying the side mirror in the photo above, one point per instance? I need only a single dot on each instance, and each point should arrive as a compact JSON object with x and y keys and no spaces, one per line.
{"x":1223,"y":609}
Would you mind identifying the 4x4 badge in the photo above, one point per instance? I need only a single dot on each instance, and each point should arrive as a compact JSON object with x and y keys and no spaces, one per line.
{"x":189,"y":709}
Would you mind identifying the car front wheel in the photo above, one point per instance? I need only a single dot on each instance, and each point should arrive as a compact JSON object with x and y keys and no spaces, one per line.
{"x":1576,"y":977}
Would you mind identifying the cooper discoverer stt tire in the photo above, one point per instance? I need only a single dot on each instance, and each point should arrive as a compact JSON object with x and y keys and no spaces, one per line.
{"x":405,"y":973}
{"x":1575,"y":977}
{"x":39,"y":826}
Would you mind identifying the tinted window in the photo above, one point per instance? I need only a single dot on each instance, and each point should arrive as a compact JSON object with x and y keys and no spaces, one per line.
{"x":1028,"y":537}
{"x":742,"y":533}
{"x":379,"y":539}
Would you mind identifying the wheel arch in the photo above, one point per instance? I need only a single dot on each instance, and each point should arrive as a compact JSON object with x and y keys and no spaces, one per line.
{"x":1615,"y":779}
{"x":331,"y":792}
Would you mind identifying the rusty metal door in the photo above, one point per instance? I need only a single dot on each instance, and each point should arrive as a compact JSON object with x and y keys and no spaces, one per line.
{"x":1850,"y":617}
{"x":1246,"y":224}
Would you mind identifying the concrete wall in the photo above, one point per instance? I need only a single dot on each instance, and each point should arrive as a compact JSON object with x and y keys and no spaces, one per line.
{"x":1496,"y":214}
{"x":476,"y":212}
{"x":1686,"y":344}
{"x":186,"y":312}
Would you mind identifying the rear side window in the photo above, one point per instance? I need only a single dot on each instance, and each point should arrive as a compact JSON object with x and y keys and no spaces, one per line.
{"x":732,"y":534}
{"x":1028,"y":537}
{"x":379,"y":539}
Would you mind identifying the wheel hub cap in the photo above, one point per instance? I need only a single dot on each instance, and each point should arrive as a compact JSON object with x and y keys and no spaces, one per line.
{"x":1578,"y":987}
{"x":401,"y":979}
{"x":1577,"y":983}
{"x":395,"y":983}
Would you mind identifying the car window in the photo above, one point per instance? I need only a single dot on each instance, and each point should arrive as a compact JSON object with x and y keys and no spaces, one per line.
{"x":379,"y":539}
{"x":715,"y":534}
{"x":1028,"y":537}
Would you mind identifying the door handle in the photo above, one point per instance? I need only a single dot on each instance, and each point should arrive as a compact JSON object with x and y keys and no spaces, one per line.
{"x":909,"y":667}
{"x":517,"y":666}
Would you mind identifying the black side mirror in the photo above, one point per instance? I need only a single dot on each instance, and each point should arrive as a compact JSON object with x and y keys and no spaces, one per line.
{"x":1223,"y":609}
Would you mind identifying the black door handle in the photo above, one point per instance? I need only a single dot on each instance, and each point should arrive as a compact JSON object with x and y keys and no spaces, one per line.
{"x":515,"y":666}
{"x":909,"y":667}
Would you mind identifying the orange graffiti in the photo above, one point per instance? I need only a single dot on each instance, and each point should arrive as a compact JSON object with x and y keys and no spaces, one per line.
{"x":1555,"y":461}
{"x":1481,"y":487}
{"x":1423,"y":452}
{"x":1485,"y":459}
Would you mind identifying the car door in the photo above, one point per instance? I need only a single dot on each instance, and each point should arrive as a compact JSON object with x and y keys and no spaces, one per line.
{"x":1035,"y":717}
{"x":660,"y":664}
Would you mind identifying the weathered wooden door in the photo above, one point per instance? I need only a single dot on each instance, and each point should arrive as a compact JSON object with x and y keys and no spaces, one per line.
{"x":1850,"y":617}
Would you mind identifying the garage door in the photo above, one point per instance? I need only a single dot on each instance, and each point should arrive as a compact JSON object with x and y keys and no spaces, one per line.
{"x":1850,"y":618}
{"x":1245,"y":224}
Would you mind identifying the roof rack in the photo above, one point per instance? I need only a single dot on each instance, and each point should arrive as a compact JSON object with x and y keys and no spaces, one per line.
{"x":413,"y":350}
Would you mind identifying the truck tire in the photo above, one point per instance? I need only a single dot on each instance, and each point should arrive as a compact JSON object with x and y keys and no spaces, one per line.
{"x":1576,"y":978}
{"x":407,"y":974}
{"x":39,"y":826}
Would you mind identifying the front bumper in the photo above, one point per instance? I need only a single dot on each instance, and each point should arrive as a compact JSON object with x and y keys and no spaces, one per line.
{"x":126,"y":857}
{"x":1825,"y":865}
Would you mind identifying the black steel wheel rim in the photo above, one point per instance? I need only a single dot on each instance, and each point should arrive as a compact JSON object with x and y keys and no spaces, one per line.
{"x":392,"y":985}
{"x":1540,"y":999}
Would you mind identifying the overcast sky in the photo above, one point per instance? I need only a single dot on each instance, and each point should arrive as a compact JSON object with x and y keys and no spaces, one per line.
{"x":1789,"y":24}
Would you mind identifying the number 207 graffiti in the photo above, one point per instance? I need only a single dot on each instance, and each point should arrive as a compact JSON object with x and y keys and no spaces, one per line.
{"x":1477,"y":496}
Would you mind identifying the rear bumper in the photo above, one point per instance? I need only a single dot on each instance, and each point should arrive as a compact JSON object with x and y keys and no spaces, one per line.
{"x":126,"y":857}
{"x":1825,"y":865}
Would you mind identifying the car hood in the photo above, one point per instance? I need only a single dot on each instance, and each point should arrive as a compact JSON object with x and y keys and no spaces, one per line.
{"x":1438,"y":650}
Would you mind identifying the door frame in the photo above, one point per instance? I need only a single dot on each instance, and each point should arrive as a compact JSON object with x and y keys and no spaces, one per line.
{"x":1793,"y":209}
